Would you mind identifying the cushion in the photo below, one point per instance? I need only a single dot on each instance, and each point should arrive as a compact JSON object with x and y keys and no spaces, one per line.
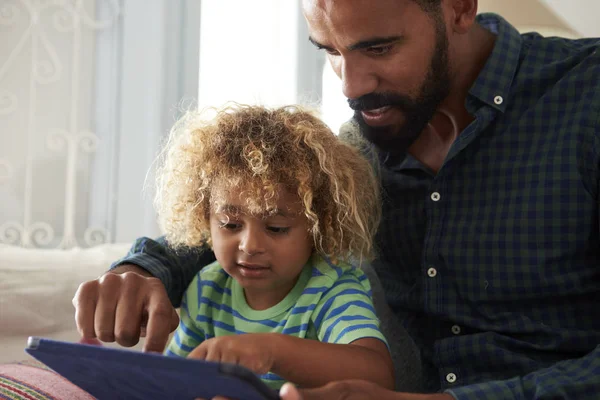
{"x":36,"y":289}
{"x":32,"y":380}
{"x":37,"y":285}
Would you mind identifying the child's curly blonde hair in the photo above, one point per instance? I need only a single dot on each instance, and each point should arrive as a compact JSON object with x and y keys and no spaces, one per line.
{"x":257,"y":150}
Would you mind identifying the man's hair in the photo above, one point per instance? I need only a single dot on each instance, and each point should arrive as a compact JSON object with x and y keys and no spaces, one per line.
{"x":254,"y":151}
{"x":429,"y":6}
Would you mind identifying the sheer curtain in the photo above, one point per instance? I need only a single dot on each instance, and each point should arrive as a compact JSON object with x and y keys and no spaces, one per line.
{"x":87,"y":89}
{"x":47,"y":137}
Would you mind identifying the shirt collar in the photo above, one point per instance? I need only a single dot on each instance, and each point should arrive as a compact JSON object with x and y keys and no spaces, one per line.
{"x":493,"y":85}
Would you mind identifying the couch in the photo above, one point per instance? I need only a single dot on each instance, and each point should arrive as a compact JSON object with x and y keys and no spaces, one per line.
{"x":36,"y":289}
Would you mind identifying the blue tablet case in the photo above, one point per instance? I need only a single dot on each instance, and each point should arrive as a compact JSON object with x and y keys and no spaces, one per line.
{"x":110,"y":373}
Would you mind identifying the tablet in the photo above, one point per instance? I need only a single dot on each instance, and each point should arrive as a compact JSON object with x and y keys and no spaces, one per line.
{"x":114,"y":373}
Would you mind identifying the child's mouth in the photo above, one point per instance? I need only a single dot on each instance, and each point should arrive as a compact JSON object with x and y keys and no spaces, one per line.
{"x":249,"y":270}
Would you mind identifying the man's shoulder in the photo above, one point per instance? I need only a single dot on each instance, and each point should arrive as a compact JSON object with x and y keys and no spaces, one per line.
{"x":561,"y":74}
{"x":557,"y":59}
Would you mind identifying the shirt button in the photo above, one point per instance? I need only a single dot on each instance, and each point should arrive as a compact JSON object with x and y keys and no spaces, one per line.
{"x":451,"y":378}
{"x":435,"y":196}
{"x":456,"y":329}
{"x":498,"y":100}
{"x":432,"y":272}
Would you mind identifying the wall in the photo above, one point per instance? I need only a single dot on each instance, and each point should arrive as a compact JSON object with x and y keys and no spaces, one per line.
{"x":580,"y":15}
{"x":538,"y":15}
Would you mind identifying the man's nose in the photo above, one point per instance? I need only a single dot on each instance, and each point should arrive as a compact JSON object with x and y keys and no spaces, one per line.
{"x":252,"y":241}
{"x":357,"y":79}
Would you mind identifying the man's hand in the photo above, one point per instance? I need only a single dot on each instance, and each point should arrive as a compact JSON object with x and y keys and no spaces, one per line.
{"x":349,"y":390}
{"x":124,"y":305}
{"x":252,"y":350}
{"x":353,"y":390}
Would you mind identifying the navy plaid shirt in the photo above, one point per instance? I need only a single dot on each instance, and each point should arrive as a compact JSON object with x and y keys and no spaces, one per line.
{"x":493,"y":263}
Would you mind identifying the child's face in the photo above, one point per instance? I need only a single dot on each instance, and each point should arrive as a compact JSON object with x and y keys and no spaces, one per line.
{"x":265,"y":254}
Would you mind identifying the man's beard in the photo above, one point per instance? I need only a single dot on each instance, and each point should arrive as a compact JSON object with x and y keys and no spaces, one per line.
{"x":418,"y":112}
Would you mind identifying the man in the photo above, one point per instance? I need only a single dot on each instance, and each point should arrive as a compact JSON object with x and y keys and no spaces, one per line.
{"x":488,"y":145}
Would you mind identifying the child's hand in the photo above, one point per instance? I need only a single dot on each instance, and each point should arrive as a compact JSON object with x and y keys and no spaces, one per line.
{"x":252,"y":350}
{"x":93,"y":342}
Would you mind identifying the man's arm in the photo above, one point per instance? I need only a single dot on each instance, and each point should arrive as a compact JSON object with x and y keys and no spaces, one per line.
{"x":570,"y":379}
{"x":174,"y":268}
{"x":129,"y":302}
{"x":352,"y":390}
{"x":577,"y":379}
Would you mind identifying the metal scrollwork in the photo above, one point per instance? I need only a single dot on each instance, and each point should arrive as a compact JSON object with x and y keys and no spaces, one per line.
{"x":37,"y":17}
{"x":8,"y":102}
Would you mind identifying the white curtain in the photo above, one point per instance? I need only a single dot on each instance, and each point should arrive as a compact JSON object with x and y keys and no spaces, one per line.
{"x":47,"y":136}
{"x":87,"y":90}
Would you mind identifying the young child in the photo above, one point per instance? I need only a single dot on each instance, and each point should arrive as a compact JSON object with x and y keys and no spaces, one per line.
{"x":284,"y":204}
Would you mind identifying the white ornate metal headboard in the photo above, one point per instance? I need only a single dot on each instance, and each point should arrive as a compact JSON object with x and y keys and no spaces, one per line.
{"x":48,"y":147}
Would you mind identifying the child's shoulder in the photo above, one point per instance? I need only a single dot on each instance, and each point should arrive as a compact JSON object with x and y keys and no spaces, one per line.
{"x":212,"y":269}
{"x":213,"y":276}
{"x":337,"y":274}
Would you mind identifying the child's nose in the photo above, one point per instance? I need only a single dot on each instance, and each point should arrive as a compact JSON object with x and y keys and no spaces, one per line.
{"x":252,"y":242}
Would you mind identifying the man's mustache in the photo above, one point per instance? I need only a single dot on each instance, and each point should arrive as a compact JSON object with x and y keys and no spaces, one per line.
{"x":373,"y":101}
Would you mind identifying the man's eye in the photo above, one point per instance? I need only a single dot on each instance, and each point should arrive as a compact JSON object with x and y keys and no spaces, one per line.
{"x":330,"y":51}
{"x":278,"y":229}
{"x":379,"y":50}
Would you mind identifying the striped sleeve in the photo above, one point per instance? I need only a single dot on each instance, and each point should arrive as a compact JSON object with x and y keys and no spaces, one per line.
{"x":345,"y":313}
{"x":188,"y":334}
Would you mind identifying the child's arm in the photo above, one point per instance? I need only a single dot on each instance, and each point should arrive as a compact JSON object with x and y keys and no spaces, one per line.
{"x":349,"y":346}
{"x":305,"y":362}
{"x":310,"y":363}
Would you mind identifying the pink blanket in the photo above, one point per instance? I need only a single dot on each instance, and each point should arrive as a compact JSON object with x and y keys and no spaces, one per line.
{"x":31,"y":380}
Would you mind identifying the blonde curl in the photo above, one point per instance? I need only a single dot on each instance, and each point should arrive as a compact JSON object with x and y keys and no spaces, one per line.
{"x":264,"y":148}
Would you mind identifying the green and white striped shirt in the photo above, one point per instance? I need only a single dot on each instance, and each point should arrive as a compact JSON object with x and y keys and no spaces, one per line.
{"x":330,"y":303}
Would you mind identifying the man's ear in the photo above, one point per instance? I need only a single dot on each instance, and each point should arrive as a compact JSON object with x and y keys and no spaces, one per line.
{"x":463,"y":13}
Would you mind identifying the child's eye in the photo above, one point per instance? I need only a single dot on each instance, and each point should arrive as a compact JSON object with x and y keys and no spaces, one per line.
{"x":229,"y":225}
{"x":278,"y":229}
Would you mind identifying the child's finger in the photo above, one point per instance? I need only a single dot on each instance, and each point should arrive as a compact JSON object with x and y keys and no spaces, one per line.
{"x":92,"y":341}
{"x":199,"y":352}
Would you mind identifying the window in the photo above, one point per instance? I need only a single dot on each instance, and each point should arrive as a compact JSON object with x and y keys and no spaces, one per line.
{"x":334,"y":106}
